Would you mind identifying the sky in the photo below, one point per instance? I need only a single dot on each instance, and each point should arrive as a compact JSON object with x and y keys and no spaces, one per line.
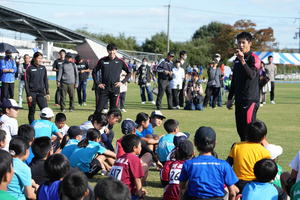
{"x":142,"y":19}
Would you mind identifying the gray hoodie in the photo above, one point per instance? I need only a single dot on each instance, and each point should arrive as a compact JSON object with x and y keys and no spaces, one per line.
{"x":68,"y":74}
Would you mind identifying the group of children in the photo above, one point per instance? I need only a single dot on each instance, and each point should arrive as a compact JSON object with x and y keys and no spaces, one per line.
{"x":49,"y":160}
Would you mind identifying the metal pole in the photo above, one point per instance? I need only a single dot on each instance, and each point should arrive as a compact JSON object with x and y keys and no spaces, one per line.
{"x":168,"y":30}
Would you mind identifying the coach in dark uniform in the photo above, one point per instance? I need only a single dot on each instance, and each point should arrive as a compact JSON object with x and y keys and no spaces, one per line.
{"x":110,"y":68}
{"x":164,"y":71}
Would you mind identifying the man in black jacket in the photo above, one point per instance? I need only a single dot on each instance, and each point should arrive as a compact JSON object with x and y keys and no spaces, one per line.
{"x":164,"y":71}
{"x":110,"y":68}
{"x":244,"y":85}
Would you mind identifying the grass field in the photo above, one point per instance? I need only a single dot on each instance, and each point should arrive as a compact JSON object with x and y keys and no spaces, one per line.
{"x":282,"y":120}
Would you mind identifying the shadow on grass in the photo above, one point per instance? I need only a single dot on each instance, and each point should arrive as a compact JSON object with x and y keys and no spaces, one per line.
{"x":154,"y":184}
{"x":153,"y":198}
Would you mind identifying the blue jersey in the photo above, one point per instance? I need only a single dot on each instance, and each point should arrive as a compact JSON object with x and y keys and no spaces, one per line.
{"x":254,"y":190}
{"x":70,"y":148}
{"x":21,"y":179}
{"x":148,"y":131}
{"x":165,"y":146}
{"x":49,"y":191}
{"x":82,"y":157}
{"x":206,"y":176}
{"x":44,"y":127}
{"x":8,"y":77}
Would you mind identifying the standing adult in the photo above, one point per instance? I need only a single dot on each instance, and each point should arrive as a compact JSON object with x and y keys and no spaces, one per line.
{"x":56,"y":65}
{"x":83,"y":74}
{"x":21,"y":71}
{"x":164,"y":71}
{"x":271,"y":70}
{"x":109,"y":81}
{"x":8,"y":69}
{"x":36,"y":85}
{"x":145,"y":75}
{"x":244,"y":85}
{"x":213,"y":84}
{"x":67,"y":80}
{"x":176,"y":83}
{"x":184,"y":65}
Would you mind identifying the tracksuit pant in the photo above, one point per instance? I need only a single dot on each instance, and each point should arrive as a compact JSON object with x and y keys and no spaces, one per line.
{"x":164,"y":86}
{"x":111,"y":94}
{"x":40,"y":100}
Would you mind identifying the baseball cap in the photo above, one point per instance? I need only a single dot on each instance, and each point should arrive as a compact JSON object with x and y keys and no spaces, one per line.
{"x":186,"y":148}
{"x":180,"y":137}
{"x":69,"y":55}
{"x":205,"y":135}
{"x":73,"y":131}
{"x":171,"y":53}
{"x":127,"y":126}
{"x":275,"y":150}
{"x":47,"y":112}
{"x":157,"y":113}
{"x":10,"y":103}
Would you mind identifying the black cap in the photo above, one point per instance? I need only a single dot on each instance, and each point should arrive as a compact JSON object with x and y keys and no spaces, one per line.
{"x":205,"y":135}
{"x":69,"y":55}
{"x":73,"y":131}
{"x":186,"y":148}
{"x":128,"y":126}
{"x":171,"y":54}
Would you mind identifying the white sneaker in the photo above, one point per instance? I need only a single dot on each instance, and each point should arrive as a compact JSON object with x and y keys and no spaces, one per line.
{"x":272,"y":102}
{"x":261,"y":105}
{"x":123,"y":110}
{"x":153,"y":102}
{"x":178,"y":107}
{"x":84,"y":104}
{"x":264,"y":102}
{"x":104,"y":111}
{"x":143,"y":102}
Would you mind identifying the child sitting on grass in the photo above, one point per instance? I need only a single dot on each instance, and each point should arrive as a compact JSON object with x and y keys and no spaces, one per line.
{"x":60,"y":122}
{"x":21,"y":185}
{"x":90,"y":156}
{"x":206,"y":175}
{"x":71,"y":140}
{"x":2,"y":139}
{"x":128,"y":167}
{"x":27,"y":132}
{"x":261,"y":188}
{"x":6,"y":174}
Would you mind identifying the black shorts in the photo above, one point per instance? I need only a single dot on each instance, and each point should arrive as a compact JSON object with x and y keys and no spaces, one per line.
{"x":95,"y":167}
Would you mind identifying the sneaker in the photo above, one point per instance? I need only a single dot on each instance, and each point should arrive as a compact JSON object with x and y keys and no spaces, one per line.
{"x":264,"y":102}
{"x":272,"y":102}
{"x":153,"y":102}
{"x":71,"y":110}
{"x":63,"y":110}
{"x":123,"y":110}
{"x":177,"y":107}
{"x":261,"y":105}
{"x":84,"y":104}
{"x":143,"y":102}
{"x":104,"y":111}
{"x":103,"y":173}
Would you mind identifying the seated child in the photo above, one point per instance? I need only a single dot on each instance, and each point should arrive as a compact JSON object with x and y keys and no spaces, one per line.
{"x":244,"y":155}
{"x":44,"y":126}
{"x":74,"y":186}
{"x":71,"y":140}
{"x":111,"y":189}
{"x":56,"y":167}
{"x":185,"y":151}
{"x":21,"y":185}
{"x":42,"y":149}
{"x":205,"y":174}
{"x":6,"y":174}
{"x":156,"y":119}
{"x":27,"y":132}
{"x":85,"y":126}
{"x":90,"y":156}
{"x":128,"y":168}
{"x":265,"y":171}
{"x":165,"y":144}
{"x":2,"y":139}
{"x":60,"y":122}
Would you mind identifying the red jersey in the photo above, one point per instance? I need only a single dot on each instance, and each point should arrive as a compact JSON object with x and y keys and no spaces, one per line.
{"x":172,"y":190}
{"x":120,"y":151}
{"x":126,"y":169}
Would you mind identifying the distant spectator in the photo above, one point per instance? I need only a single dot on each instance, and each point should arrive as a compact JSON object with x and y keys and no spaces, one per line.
{"x":56,"y":65}
{"x":22,"y":72}
{"x":271,"y":73}
{"x":83,"y":73}
{"x":176,"y":83}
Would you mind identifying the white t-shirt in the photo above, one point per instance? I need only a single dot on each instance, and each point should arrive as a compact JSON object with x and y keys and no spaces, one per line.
{"x":178,"y":76}
{"x":295,"y":165}
{"x":64,"y":129}
{"x":10,"y":126}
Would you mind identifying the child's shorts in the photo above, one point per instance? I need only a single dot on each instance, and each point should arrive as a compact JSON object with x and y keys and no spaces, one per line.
{"x":95,"y":167}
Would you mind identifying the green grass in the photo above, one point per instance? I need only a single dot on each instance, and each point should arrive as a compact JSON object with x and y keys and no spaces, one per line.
{"x":281,"y":119}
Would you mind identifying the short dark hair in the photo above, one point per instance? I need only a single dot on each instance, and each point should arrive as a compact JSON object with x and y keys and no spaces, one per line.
{"x":111,"y":47}
{"x":170,"y":125}
{"x":60,"y":117}
{"x":41,"y":147}
{"x":257,"y":131}
{"x":145,"y":59}
{"x":270,"y":57}
{"x":74,"y":186}
{"x":129,"y":142}
{"x":27,"y":132}
{"x":91,"y":134}
{"x":18,"y":146}
{"x":141,"y":117}
{"x":111,"y":189}
{"x":265,"y":170}
{"x":35,"y":55}
{"x":244,"y":35}
{"x":115,"y":112}
{"x":6,"y":163}
{"x":181,"y":53}
{"x":100,"y":119}
{"x":205,"y":144}
{"x":90,"y":118}
{"x":62,"y":50}
{"x":2,"y":135}
{"x":56,"y":166}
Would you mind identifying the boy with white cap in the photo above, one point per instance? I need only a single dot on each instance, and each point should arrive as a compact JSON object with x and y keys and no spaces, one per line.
{"x":45,"y":127}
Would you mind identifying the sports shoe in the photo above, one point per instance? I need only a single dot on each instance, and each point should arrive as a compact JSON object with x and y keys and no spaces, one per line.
{"x":84,"y":104}
{"x":123,"y":110}
{"x":71,"y":110}
{"x":272,"y":102}
{"x":261,"y":105}
{"x":264,"y":102}
{"x":104,"y":111}
{"x":177,"y":107}
{"x":153,"y":102}
{"x":143,"y":102}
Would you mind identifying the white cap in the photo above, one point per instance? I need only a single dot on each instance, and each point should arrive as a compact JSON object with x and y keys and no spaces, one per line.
{"x":157,"y":113}
{"x":47,"y":112}
{"x":275,"y":150}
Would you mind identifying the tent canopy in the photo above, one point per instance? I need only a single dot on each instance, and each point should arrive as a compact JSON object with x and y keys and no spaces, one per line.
{"x":278,"y":58}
